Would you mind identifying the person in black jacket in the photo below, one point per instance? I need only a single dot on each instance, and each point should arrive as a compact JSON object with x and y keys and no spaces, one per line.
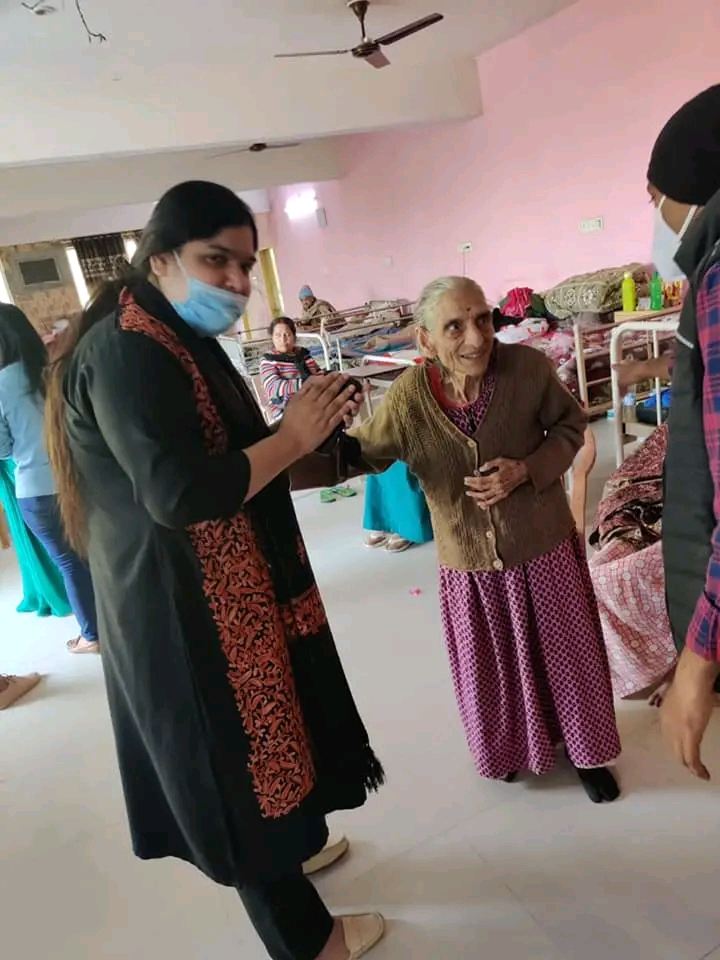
{"x":684,"y":186}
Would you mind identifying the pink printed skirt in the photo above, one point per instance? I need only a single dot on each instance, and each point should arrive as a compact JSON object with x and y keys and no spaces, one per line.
{"x":529,"y":664}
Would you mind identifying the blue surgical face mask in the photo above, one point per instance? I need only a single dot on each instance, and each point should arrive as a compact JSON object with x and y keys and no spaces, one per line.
{"x":210,"y":311}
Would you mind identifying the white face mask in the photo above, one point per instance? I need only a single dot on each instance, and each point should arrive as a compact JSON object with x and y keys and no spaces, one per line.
{"x":666,"y":244}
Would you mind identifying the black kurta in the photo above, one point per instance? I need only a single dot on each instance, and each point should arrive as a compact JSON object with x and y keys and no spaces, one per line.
{"x":235,"y":728}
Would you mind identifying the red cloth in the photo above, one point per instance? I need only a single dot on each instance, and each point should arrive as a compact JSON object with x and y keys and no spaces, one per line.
{"x":518,"y":303}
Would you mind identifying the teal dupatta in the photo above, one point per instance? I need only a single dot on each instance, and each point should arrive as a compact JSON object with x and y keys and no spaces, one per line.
{"x":43,"y":590}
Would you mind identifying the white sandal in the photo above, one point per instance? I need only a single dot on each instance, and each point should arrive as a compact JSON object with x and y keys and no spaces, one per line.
{"x":376,"y":540}
{"x":362,"y":933}
{"x":396,"y":544}
{"x":334,"y":850}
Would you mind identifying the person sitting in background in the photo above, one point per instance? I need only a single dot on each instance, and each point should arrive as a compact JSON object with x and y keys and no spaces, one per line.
{"x":284,"y":371}
{"x":313,"y":310}
{"x":23,"y":359}
{"x":282,"y":374}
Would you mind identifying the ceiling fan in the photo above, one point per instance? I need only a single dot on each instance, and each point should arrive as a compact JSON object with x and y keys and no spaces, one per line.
{"x":255,"y":148}
{"x":368,"y":49}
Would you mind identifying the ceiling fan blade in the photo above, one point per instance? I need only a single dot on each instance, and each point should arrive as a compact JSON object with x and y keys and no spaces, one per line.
{"x":265,"y":148}
{"x":316,"y":53}
{"x":228,"y":153}
{"x":377,"y":60}
{"x":410,"y":29}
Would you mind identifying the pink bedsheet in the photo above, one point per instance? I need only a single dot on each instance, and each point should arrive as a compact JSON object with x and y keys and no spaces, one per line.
{"x":630,"y":589}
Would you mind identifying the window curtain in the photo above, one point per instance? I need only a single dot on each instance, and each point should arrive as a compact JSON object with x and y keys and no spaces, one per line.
{"x":101,"y":258}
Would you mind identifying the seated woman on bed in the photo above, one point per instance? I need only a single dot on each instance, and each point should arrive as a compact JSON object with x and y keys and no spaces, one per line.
{"x":282,"y":373}
{"x":627,"y":573}
{"x":286,"y":368}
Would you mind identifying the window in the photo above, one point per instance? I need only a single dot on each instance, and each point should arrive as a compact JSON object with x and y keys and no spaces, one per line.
{"x":77,"y":275}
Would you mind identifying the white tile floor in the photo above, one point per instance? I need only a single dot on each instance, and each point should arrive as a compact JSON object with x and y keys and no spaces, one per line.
{"x":461,"y":867}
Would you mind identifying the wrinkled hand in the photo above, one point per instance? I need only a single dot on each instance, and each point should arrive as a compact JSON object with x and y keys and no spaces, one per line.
{"x":503,"y":476}
{"x":322,"y":404}
{"x":686,"y":710}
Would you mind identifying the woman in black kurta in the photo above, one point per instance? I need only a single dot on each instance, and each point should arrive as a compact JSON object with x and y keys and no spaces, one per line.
{"x":235,"y":727}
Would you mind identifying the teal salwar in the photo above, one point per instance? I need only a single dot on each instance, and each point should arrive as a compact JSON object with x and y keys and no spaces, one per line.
{"x":395,"y":503}
{"x":42,"y":584}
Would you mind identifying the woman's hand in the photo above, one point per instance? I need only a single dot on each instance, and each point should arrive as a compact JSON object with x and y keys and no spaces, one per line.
{"x":323,"y":403}
{"x":496,"y":480}
{"x":686,"y":710}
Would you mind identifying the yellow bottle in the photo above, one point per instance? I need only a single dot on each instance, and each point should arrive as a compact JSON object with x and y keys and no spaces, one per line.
{"x":629,"y":294}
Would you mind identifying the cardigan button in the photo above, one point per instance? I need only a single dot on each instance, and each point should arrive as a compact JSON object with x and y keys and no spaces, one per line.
{"x":498,"y":565}
{"x":489,"y":534}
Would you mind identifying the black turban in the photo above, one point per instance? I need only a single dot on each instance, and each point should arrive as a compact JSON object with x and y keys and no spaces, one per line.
{"x":685,"y":162}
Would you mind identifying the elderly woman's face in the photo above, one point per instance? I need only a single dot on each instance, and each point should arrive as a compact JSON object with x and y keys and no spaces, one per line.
{"x":461,"y":335}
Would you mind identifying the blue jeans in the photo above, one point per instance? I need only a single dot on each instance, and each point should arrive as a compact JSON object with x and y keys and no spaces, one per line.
{"x":42,"y":516}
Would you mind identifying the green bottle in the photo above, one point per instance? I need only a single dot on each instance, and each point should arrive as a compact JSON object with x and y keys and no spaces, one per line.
{"x":629,"y":294}
{"x":657,"y":293}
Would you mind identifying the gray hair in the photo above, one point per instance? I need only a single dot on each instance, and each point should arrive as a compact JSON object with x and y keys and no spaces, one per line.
{"x":433,"y":293}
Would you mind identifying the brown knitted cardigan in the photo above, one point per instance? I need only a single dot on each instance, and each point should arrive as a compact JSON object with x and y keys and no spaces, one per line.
{"x":532,"y":417}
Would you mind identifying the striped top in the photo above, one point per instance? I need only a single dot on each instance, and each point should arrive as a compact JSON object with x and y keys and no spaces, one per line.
{"x":282,"y":378}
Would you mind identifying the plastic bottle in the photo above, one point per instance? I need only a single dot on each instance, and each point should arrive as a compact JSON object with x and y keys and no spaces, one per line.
{"x":630,"y":408}
{"x":657,"y":293}
{"x":629,"y":294}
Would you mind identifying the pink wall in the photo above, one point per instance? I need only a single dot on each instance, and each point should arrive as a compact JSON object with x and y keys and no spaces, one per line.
{"x":571,"y":110}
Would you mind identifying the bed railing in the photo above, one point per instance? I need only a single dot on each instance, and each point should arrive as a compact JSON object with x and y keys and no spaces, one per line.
{"x":655,"y":327}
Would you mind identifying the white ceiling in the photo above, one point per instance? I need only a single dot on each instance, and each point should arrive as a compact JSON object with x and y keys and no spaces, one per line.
{"x":177,"y":77}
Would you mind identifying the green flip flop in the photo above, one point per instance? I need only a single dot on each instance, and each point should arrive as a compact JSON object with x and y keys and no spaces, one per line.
{"x":327,"y":496}
{"x":345,"y":492}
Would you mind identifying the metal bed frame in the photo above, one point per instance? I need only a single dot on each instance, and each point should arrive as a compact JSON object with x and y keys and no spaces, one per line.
{"x":655,"y":327}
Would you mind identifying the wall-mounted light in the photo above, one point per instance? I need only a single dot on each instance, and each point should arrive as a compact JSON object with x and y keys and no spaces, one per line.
{"x":5,"y":295}
{"x":130,"y":244}
{"x":301,"y":205}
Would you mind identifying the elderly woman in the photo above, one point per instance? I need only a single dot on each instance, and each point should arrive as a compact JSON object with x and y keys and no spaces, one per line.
{"x":489,"y":431}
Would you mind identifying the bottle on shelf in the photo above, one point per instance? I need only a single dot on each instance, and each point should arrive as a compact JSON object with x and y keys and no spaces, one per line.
{"x":629,"y":294}
{"x":657,"y":293}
